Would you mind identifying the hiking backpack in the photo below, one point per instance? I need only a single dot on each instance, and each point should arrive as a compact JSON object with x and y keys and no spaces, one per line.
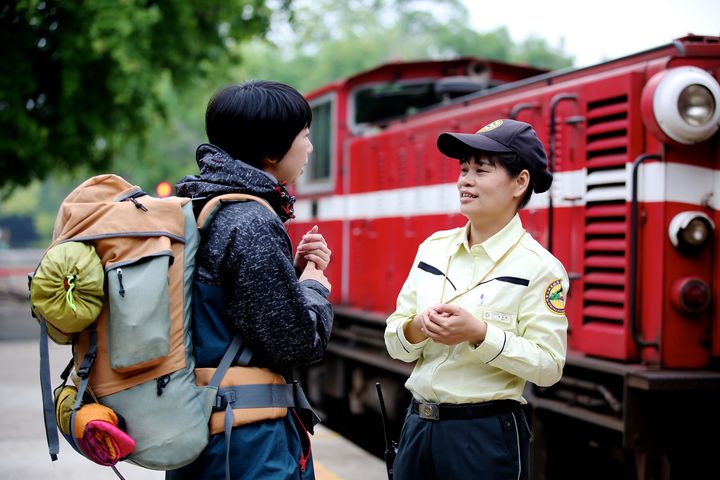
{"x":116,"y":283}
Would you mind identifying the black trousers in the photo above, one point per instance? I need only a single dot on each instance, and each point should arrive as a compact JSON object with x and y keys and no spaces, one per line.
{"x":494,"y":447}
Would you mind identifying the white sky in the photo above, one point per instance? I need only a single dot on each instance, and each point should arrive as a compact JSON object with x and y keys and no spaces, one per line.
{"x":600,"y":30}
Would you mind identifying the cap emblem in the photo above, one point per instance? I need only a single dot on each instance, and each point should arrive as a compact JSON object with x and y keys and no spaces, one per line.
{"x":490,"y":126}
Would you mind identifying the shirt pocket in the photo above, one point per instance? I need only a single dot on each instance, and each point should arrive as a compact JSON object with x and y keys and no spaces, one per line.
{"x":496,"y":303}
{"x":502,"y":320}
{"x":432,"y":285}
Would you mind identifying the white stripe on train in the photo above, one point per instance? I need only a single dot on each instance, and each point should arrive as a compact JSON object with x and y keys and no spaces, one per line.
{"x":658,"y":182}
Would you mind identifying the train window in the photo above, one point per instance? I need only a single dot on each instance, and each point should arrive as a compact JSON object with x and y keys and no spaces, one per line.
{"x":318,"y":172}
{"x":384,"y":101}
{"x":378,"y":103}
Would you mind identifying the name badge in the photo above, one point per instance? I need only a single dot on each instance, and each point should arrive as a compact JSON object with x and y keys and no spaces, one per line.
{"x":498,"y":317}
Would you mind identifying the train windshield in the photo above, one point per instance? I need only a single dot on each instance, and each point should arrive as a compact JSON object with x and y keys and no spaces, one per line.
{"x":378,"y":103}
{"x":384,"y":101}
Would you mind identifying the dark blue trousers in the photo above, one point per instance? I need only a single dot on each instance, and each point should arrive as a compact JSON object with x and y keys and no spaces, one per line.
{"x":486,"y":448}
{"x":272,"y":449}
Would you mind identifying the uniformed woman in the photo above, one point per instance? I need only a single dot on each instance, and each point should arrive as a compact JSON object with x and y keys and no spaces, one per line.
{"x":481,"y":312}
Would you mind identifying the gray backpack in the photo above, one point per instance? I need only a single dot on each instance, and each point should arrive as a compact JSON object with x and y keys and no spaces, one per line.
{"x":133,"y":363}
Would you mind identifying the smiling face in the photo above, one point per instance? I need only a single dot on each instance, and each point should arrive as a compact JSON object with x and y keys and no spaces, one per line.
{"x":290,"y":167}
{"x":489,"y":196}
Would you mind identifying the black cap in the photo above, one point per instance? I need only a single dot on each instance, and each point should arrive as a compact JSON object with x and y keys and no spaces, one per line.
{"x":502,"y":136}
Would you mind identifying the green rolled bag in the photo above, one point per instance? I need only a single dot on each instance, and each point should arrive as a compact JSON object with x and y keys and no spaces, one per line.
{"x":67,"y":289}
{"x":65,"y":396}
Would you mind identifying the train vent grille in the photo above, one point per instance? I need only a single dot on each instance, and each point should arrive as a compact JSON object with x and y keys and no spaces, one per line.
{"x":606,"y":212}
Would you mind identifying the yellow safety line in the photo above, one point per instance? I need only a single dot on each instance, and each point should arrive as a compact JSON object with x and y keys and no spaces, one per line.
{"x":322,"y":473}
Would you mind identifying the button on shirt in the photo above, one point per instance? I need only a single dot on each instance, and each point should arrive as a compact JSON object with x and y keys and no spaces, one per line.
{"x":521,"y":299}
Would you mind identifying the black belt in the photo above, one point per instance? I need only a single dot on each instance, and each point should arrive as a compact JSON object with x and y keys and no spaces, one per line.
{"x":463,"y":411}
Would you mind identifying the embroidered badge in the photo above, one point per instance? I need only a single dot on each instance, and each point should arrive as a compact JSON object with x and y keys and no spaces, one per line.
{"x":555,"y":298}
{"x":490,"y":126}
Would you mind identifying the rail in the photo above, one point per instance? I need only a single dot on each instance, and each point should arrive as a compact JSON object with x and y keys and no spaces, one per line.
{"x":551,"y":158}
{"x":632,"y":308}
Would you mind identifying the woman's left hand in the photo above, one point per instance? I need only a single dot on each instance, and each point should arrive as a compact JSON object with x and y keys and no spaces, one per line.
{"x":312,"y":248}
{"x":451,"y":324}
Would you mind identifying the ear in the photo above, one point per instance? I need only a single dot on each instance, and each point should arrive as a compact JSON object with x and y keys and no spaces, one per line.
{"x":268,"y":163}
{"x":522,"y":183}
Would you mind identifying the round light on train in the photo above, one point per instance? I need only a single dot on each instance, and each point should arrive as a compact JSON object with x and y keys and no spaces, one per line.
{"x":697,"y":231}
{"x":696,"y":105}
{"x":680,"y":105}
{"x":689,"y":232}
{"x":690,"y":295}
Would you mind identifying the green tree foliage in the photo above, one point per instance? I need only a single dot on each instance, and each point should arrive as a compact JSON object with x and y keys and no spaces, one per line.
{"x":323,"y":40}
{"x":80,"y":78}
{"x":121,"y":86}
{"x":536,"y":51}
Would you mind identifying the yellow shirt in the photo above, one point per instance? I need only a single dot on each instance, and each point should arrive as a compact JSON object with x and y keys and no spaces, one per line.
{"x":522,"y":301}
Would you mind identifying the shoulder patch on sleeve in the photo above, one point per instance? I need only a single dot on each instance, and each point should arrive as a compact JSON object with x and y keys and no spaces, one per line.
{"x":555,"y":297}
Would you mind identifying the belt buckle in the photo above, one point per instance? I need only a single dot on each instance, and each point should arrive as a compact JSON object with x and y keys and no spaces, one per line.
{"x":428,"y":411}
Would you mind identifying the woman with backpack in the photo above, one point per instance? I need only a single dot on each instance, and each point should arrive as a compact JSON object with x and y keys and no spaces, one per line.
{"x":248,"y":283}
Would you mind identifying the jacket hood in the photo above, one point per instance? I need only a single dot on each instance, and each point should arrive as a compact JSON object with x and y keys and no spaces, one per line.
{"x":220,"y":174}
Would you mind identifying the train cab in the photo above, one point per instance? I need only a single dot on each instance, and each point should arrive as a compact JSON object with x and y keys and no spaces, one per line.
{"x":360,"y":191}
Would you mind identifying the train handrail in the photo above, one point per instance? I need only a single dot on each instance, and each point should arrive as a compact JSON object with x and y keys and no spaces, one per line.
{"x":551,"y":158}
{"x":520,"y":107}
{"x":636,"y":336}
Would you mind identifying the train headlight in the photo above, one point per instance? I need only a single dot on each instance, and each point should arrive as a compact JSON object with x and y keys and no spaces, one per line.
{"x":681,"y":105}
{"x":696,"y":105}
{"x":690,"y":295}
{"x":689,"y":232}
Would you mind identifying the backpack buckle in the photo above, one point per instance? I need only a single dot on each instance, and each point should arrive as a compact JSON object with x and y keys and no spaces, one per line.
{"x":222,"y":399}
{"x":84,"y":370}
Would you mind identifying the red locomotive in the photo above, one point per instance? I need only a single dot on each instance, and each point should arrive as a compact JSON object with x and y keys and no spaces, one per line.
{"x":635,"y":152}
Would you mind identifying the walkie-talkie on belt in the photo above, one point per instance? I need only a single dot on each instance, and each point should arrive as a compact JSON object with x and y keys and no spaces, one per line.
{"x":390,"y":445}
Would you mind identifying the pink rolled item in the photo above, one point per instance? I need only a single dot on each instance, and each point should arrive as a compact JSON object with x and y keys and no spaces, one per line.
{"x":105,"y":443}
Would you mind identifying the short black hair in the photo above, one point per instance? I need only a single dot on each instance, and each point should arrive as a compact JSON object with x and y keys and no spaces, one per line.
{"x":511,"y":162}
{"x":256,"y":119}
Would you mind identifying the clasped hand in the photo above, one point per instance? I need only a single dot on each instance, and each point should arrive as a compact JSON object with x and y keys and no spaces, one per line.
{"x":451,"y":324}
{"x":312,"y":248}
{"x":312,"y":257}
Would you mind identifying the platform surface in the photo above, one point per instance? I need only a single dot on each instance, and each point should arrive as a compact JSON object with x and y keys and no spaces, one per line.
{"x":23,"y":448}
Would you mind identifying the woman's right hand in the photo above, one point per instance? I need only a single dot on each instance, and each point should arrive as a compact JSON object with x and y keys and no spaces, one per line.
{"x":311,"y":272}
{"x":416,"y":330}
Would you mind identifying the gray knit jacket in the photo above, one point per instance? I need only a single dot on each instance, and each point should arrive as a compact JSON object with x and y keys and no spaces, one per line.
{"x":248,"y":253}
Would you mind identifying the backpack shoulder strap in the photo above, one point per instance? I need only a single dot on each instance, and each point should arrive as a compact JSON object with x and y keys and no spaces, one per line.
{"x":213,"y":206}
{"x":45,"y":388}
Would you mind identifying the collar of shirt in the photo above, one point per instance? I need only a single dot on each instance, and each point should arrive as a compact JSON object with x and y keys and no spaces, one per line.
{"x":495,"y":246}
